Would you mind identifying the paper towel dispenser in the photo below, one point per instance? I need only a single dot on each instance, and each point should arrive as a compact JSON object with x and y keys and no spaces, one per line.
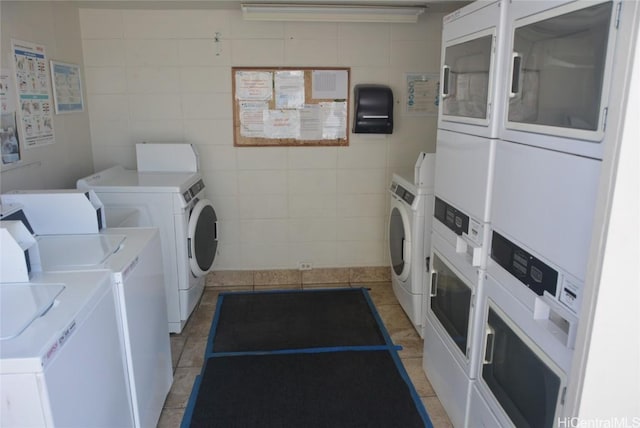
{"x":373,"y":111}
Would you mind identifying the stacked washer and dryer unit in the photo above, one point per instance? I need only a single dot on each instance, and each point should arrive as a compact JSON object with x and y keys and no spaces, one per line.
{"x":165,"y":191}
{"x":518,"y":165}
{"x":409,"y":219}
{"x":465,"y":151}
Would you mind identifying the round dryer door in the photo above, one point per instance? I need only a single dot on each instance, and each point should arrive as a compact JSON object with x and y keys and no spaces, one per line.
{"x":202,"y":237}
{"x":400,"y":243}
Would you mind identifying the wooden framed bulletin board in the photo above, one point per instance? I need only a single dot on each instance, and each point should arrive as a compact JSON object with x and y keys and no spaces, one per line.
{"x":290,"y":106}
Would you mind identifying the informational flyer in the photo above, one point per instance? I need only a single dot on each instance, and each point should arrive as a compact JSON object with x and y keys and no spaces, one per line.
{"x":334,"y":120}
{"x":329,"y":84}
{"x":289,"y":88}
{"x":67,"y":87}
{"x":252,"y":118}
{"x":35,"y":108}
{"x":311,"y":122}
{"x":281,"y":123}
{"x":422,"y":93}
{"x":254,"y":85}
{"x":9,"y":140}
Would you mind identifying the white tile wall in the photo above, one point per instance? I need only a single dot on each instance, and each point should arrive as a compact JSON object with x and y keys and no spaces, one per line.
{"x":155,"y":130}
{"x":161,"y":52}
{"x":311,"y":31}
{"x":103,"y":52}
{"x":312,"y":206}
{"x":108,"y":107}
{"x":101,"y":24}
{"x":105,"y":80}
{"x":158,"y":75}
{"x":208,"y":131}
{"x":153,"y":80}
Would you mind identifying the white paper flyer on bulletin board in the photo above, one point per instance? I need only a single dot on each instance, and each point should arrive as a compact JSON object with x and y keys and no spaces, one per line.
{"x":9,"y":140}
{"x":35,"y":107}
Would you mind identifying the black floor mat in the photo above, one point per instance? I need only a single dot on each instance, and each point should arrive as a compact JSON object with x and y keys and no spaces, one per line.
{"x":249,"y":322}
{"x":326,"y":389}
{"x":312,"y":359}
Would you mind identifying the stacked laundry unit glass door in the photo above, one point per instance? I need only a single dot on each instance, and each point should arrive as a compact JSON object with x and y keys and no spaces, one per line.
{"x":561,"y":63}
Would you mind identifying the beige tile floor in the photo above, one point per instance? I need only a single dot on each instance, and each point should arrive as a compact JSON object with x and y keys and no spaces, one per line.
{"x":188,"y":350}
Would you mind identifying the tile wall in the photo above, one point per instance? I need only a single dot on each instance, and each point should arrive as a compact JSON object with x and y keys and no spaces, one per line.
{"x":158,"y":75}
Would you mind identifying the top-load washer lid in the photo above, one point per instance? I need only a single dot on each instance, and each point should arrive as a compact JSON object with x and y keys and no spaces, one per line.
{"x":21,"y":304}
{"x":121,"y":180}
{"x":58,"y":252}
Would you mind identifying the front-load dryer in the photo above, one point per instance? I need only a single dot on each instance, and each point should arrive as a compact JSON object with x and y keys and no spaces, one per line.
{"x":406,"y":247}
{"x":174,"y":203}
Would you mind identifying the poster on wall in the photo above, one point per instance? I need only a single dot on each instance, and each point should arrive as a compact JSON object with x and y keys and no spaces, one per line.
{"x":9,"y":141}
{"x":35,"y":110}
{"x":422,"y":94}
{"x":67,"y":87}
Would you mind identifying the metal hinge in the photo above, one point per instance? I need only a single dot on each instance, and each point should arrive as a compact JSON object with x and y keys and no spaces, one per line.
{"x":189,"y":247}
{"x":426,"y":263}
{"x":564,"y":395}
{"x":605,"y":114}
{"x":619,"y":8}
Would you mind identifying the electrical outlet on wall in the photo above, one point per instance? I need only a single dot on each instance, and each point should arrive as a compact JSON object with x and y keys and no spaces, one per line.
{"x":305,"y":266}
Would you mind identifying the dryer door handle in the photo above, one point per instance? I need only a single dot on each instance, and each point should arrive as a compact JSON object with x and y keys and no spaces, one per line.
{"x":434,"y":284}
{"x":446,"y":76}
{"x":489,"y":343}
{"x":516,"y":69}
{"x":406,"y":250}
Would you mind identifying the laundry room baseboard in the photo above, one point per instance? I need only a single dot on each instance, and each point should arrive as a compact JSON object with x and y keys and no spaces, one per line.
{"x":293,"y":277}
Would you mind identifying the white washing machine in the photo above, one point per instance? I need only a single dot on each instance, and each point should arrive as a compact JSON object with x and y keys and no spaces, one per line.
{"x":61,"y":362}
{"x":65,"y":367}
{"x":134,"y":257}
{"x":407,"y":237}
{"x":174,"y":203}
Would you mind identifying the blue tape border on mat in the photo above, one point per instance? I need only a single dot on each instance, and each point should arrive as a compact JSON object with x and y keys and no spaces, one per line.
{"x":376,"y":315}
{"x":214,"y":326}
{"x":319,"y":350}
{"x":389,"y":347}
